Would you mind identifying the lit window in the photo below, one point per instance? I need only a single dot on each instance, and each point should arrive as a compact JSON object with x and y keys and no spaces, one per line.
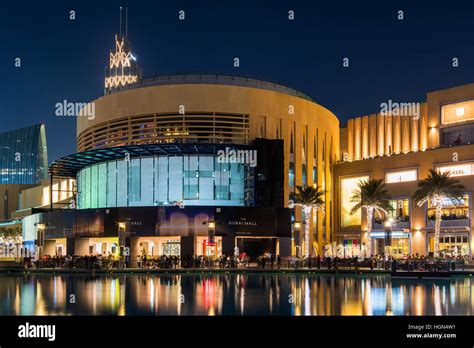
{"x":401,"y":176}
{"x":458,"y":169}
{"x":457,"y":112}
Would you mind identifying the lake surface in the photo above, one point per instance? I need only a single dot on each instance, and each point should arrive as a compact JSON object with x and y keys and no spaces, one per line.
{"x":232,"y":294}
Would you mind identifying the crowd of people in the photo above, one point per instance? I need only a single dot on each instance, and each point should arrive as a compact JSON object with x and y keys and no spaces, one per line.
{"x":196,"y":261}
{"x":413,"y":262}
{"x":163,"y":261}
{"x":74,"y":261}
{"x":422,"y":263}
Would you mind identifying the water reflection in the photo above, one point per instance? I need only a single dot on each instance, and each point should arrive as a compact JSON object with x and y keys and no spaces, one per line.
{"x":237,"y":294}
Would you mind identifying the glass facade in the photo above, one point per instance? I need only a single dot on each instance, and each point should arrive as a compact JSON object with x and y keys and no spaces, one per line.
{"x":23,"y":156}
{"x":162,"y":180}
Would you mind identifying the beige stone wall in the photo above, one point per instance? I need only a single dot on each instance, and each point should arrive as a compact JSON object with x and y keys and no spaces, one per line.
{"x":365,"y":137}
{"x":381,"y":135}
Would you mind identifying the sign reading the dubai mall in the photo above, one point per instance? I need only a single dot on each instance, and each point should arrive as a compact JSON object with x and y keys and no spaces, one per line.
{"x":243,"y":222}
{"x":260,"y":221}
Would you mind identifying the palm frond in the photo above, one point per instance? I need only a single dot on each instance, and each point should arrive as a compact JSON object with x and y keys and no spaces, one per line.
{"x":371,"y":193}
{"x":308,"y":196}
{"x":438,"y":184}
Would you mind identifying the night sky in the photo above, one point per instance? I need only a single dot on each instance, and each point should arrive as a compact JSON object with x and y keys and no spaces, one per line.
{"x":389,"y":59}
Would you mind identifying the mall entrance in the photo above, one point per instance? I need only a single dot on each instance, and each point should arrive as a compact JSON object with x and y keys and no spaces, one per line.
{"x":153,"y":247}
{"x":257,"y":246}
{"x":205,"y":247}
{"x":157,"y":246}
{"x":398,"y":247}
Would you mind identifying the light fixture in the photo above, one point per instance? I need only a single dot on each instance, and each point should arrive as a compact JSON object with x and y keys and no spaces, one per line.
{"x":460,"y":111}
{"x":211,"y":224}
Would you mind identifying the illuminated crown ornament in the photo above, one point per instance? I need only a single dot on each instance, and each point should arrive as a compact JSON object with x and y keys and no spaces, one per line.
{"x":123,"y":69}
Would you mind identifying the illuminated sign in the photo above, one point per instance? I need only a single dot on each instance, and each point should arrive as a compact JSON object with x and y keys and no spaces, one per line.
{"x":457,"y":112}
{"x":401,"y":176}
{"x":122,"y":69}
{"x":348,"y":186}
{"x":458,"y":169}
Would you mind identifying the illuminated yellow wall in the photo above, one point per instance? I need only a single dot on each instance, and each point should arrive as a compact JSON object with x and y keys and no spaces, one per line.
{"x":39,"y":196}
{"x":385,"y":134}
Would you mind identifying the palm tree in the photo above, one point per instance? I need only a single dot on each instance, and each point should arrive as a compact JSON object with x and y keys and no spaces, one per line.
{"x":308,"y":198}
{"x":374,"y":197}
{"x":436,"y":188}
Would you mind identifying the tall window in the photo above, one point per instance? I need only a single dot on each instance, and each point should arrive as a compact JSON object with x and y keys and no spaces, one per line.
{"x":134,"y":175}
{"x":315,"y":160}
{"x":304,"y":176}
{"x":291,"y":173}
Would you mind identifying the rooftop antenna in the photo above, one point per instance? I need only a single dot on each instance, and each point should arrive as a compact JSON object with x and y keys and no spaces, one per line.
{"x":120,"y":21}
{"x":126,"y":21}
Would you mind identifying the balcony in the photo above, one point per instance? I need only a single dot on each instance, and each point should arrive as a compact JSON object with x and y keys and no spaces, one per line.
{"x":450,"y":223}
{"x":396,"y":225}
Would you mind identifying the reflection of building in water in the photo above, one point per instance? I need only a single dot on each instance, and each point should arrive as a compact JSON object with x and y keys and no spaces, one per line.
{"x":228,"y":294}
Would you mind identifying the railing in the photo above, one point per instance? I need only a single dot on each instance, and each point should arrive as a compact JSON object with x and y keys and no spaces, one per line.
{"x":399,"y":225}
{"x":450,"y":223}
{"x":423,"y":264}
{"x":214,"y":79}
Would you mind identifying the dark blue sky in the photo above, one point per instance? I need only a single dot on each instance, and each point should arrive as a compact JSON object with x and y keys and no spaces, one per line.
{"x":389,"y":59}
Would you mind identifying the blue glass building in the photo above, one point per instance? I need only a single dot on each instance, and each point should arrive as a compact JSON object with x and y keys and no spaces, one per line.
{"x":23,"y":156}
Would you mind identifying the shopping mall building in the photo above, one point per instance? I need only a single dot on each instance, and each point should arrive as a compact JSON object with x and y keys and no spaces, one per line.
{"x":204,"y":164}
{"x":400,"y":149}
{"x":189,"y":165}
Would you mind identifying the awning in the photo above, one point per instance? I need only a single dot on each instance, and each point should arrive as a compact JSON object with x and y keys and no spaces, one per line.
{"x":69,"y":166}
